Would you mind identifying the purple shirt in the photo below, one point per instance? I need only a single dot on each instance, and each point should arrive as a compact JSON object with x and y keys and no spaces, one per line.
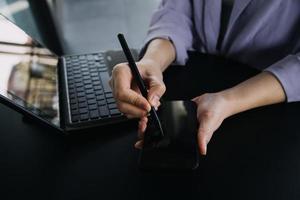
{"x":264,"y":34}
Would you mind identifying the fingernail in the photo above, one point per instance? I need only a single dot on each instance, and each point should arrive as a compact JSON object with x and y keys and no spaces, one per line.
{"x":204,"y":151}
{"x":147,"y":107}
{"x":138,"y":145}
{"x":155,"y":101}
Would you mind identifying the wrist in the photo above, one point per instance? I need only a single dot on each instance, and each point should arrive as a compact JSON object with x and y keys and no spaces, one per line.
{"x":231,"y":102}
{"x":152,"y":62}
{"x":161,"y":52}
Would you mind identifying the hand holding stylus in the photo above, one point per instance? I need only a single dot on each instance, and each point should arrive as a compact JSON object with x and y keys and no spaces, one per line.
{"x":127,"y":94}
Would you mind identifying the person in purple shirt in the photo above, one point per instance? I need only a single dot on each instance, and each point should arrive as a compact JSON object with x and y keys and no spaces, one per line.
{"x":262,"y":34}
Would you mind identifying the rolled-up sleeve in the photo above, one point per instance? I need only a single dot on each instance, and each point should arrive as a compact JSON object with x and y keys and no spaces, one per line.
{"x":173,"y":20}
{"x":287,"y":72}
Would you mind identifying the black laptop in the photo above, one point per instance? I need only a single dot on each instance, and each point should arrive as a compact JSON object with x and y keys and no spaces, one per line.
{"x":68,"y":93}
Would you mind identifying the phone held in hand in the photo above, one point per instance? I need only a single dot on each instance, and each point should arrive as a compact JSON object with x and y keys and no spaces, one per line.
{"x":178,"y":149}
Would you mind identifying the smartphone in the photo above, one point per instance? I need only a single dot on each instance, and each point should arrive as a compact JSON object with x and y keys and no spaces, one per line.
{"x":177,"y":149}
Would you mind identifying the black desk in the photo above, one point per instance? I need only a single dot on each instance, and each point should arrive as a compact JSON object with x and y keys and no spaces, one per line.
{"x":254,"y":155}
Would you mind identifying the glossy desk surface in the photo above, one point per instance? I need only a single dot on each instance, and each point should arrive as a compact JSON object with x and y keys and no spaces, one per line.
{"x":254,"y":155}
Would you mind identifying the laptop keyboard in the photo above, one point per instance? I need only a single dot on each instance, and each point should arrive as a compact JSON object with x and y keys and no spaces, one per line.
{"x":90,"y":95}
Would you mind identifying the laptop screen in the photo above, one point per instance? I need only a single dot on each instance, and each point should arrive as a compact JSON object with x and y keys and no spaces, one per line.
{"x":28,"y":73}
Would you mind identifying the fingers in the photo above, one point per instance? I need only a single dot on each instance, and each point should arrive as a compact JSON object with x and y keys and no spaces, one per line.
{"x":142,"y":127}
{"x":129,"y":102}
{"x":130,"y":110}
{"x":141,"y":130}
{"x":156,"y":89}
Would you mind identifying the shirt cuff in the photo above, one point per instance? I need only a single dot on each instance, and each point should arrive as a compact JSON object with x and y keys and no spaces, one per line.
{"x":287,"y":71}
{"x":179,"y":44}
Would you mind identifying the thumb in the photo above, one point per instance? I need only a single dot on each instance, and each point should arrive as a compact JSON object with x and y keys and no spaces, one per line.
{"x":205,"y":133}
{"x":202,"y":141}
{"x":156,"y":89}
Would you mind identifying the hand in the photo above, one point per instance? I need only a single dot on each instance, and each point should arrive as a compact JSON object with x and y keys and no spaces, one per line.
{"x":125,"y":91}
{"x":260,"y":90}
{"x":212,"y":109}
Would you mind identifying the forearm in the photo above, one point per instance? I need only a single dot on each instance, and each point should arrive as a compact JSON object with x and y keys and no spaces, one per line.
{"x":261,"y":90}
{"x":161,"y":51}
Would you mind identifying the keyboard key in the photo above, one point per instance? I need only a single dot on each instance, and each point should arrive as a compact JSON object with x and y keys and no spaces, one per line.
{"x":99,"y":92}
{"x":78,"y":82}
{"x":100,"y":97}
{"x":102,"y":102}
{"x":75,"y":118}
{"x":93,"y":70}
{"x":115,"y":112}
{"x":96,"y":57}
{"x":112,"y":106}
{"x":96,"y":83}
{"x":82,"y":105}
{"x":87,"y":81}
{"x":103,"y":69}
{"x":81,"y":99}
{"x":90,"y":96}
{"x":95,"y":74}
{"x":103,"y":111}
{"x":89,"y":91}
{"x":111,"y":100}
{"x":77,"y":68}
{"x":72,"y":91}
{"x":84,"y":117}
{"x":70,"y":79}
{"x":92,"y":101}
{"x":72,"y":96}
{"x":88,"y":86}
{"x":77,"y":71}
{"x":90,"y":57}
{"x":86,"y":78}
{"x":71,"y":86}
{"x":81,"y":57}
{"x":77,"y":76}
{"x":109,"y":95}
{"x":74,"y":112}
{"x":80,"y":89}
{"x":101,"y":66}
{"x":74,"y":106}
{"x":73,"y":101}
{"x":94,"y":114}
{"x":93,"y":107}
{"x":105,"y":78}
{"x":95,"y":78}
{"x":80,"y":94}
{"x":83,"y":110}
{"x":97,"y":87}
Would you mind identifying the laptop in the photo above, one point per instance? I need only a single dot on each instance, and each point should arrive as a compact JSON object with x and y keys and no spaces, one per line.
{"x":68,"y":93}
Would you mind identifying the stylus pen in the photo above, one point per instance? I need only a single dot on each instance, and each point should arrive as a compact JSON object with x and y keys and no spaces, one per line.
{"x":138,"y":79}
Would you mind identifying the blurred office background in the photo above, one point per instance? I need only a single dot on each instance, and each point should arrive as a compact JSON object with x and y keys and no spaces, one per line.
{"x":81,"y":26}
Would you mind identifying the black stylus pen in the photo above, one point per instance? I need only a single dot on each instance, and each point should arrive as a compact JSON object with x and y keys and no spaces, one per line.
{"x":138,"y":79}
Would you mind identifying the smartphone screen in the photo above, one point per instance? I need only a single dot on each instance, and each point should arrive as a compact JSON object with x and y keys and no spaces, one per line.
{"x":177,"y":149}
